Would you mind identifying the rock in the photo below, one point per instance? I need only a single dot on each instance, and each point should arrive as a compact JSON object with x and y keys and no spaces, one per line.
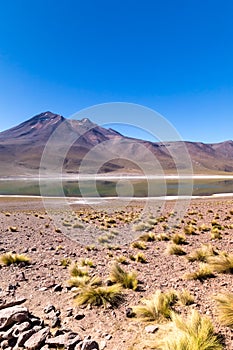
{"x":8,"y":334}
{"x":129,"y":312}
{"x":151,"y":328}
{"x":56,"y":322}
{"x":37,"y":328}
{"x":37,"y":339}
{"x":57,"y":288}
{"x":4,"y":344}
{"x":79,"y":316}
{"x":108,"y":336}
{"x":69,"y":312}
{"x":49,"y":308}
{"x":12,"y":315}
{"x":87,"y":345}
{"x":24,"y":337}
{"x":68,"y":340}
{"x":103,"y":345}
{"x":20,"y":328}
{"x":4,"y":304}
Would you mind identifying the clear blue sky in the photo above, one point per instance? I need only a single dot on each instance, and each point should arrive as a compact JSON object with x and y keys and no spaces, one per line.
{"x":175,"y":56}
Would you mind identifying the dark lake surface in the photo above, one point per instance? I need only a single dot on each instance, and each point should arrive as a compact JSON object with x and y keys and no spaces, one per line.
{"x":122,"y":187}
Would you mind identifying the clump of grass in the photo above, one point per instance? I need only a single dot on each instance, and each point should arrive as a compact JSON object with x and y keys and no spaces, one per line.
{"x":77,"y":271}
{"x":147,"y":237}
{"x":178,"y":239}
{"x":215,"y":234}
{"x":78,"y":225}
{"x":90,"y":248}
{"x":13,"y":229}
{"x":66,"y":224}
{"x":202,"y":254}
{"x":175,"y":249}
{"x":215,"y":223}
{"x":122,"y":260}
{"x":82,"y":281}
{"x":58,"y":230}
{"x":65,"y":262}
{"x":139,"y":245}
{"x":190,"y":230}
{"x":100,"y":295}
{"x":195,"y":332}
{"x":104,"y":239}
{"x":142,"y":226}
{"x":152,"y":221}
{"x":156,"y":308}
{"x":9,"y":259}
{"x":225,"y":308}
{"x":162,"y":237}
{"x":125,"y":279}
{"x":140,"y":257}
{"x":201,"y":274}
{"x":87,"y":262}
{"x":204,"y":228}
{"x":223,"y":263}
{"x":185,"y":297}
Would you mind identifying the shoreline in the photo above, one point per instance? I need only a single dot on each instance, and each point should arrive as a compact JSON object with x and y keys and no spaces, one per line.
{"x":88,"y":200}
{"x":88,"y":177}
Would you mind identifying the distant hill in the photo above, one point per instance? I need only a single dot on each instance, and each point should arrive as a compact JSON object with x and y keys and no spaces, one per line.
{"x":22,"y":148}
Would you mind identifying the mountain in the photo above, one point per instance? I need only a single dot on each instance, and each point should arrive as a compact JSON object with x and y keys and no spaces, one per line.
{"x":50,"y":143}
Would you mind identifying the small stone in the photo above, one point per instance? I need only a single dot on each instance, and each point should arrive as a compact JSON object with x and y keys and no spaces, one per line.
{"x":103,"y":344}
{"x":56,"y":322}
{"x":108,"y":336}
{"x":69,"y":312}
{"x":151,"y":328}
{"x":129,"y":312}
{"x":4,"y":344}
{"x":79,"y":316}
{"x":87,"y":345}
{"x":57,"y":288}
{"x":49,"y":308}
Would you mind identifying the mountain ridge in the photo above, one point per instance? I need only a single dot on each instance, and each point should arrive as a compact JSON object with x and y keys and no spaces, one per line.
{"x":22,"y":147}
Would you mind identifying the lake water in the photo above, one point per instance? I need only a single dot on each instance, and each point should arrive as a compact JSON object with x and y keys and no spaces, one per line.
{"x":113,"y":188}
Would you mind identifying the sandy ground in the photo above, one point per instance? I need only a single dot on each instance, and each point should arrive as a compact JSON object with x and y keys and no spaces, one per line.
{"x":48,"y":236}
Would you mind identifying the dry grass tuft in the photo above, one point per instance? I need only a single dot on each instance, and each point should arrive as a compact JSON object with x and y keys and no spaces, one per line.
{"x":125,"y":279}
{"x":77,"y":271}
{"x":202,"y":254}
{"x":156,"y":308}
{"x":185,"y":297}
{"x":222,"y":263}
{"x":178,"y":239}
{"x":139,"y":245}
{"x":9,"y":259}
{"x":201,"y":274}
{"x":225,"y":308}
{"x":193,"y":333}
{"x":100,"y":295}
{"x":175,"y":249}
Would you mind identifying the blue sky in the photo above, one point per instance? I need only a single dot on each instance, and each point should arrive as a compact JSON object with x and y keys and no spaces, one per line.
{"x":174,"y":56}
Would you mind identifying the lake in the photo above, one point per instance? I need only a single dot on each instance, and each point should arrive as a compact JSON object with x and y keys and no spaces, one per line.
{"x":122,"y":187}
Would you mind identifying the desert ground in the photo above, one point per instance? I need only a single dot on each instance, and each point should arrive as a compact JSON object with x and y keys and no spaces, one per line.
{"x":139,"y":241}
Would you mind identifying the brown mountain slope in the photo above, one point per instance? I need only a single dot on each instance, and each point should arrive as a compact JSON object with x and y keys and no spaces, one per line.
{"x":82,"y":146}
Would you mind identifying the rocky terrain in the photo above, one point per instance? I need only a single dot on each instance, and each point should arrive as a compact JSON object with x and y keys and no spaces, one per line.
{"x":37,"y":300}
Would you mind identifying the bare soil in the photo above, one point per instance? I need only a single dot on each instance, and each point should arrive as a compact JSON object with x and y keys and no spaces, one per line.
{"x":38,"y":237}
